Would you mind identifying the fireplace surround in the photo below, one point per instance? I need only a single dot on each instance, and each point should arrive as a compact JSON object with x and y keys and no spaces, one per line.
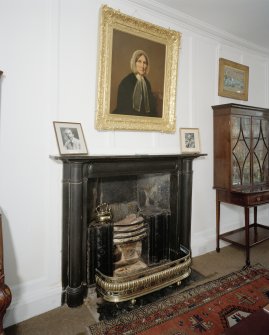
{"x":126,"y":223}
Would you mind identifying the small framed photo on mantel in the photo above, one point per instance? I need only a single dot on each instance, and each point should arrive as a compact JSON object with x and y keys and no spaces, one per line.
{"x":70,"y":138}
{"x":190,"y":140}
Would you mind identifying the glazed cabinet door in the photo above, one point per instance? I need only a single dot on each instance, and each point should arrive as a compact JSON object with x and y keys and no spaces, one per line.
{"x":241,"y":150}
{"x":249,"y":148}
{"x":260,"y":148}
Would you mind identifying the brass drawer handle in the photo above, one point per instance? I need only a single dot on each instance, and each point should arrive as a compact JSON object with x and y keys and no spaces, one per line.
{"x":258,"y":198}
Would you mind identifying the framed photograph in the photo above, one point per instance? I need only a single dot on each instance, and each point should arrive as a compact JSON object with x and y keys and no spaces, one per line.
{"x":70,"y":138}
{"x":233,"y":80}
{"x":137,"y":79}
{"x":190,"y":140}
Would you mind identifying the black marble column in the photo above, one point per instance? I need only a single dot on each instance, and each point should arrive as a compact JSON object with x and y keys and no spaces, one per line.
{"x":185,"y":203}
{"x":72,"y":233}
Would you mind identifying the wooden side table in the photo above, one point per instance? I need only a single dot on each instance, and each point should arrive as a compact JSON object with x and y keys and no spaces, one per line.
{"x":5,"y":293}
{"x":250,"y":234}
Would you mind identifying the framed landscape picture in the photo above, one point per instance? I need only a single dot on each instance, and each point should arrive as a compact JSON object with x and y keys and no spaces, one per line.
{"x":137,"y":74}
{"x":233,"y":80}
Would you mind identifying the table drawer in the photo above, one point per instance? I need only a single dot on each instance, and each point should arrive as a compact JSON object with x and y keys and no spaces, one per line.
{"x":256,"y":199}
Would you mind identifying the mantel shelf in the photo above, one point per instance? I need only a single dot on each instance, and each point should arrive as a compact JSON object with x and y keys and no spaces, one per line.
{"x":127,"y":157}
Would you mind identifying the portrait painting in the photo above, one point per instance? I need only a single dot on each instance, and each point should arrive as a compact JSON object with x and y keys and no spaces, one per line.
{"x":137,"y":74}
{"x":120,"y":75}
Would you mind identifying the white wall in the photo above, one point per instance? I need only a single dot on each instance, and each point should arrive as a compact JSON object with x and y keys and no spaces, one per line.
{"x":49,"y":55}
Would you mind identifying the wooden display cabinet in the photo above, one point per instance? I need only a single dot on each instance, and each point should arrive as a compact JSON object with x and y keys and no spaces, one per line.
{"x":241,"y":145}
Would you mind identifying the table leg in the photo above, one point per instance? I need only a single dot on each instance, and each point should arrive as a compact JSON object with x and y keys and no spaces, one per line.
{"x":255,"y":216}
{"x":255,"y":224}
{"x":247,"y":236}
{"x":217,"y":223}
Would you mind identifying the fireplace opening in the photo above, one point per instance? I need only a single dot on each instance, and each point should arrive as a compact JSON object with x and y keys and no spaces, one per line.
{"x":129,"y":231}
{"x":137,"y":229}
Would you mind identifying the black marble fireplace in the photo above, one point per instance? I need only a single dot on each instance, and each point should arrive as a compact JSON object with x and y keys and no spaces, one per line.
{"x":139,"y":241}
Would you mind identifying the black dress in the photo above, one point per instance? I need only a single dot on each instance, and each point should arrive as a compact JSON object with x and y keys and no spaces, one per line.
{"x":125,"y":98}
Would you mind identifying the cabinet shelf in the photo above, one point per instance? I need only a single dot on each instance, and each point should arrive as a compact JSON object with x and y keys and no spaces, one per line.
{"x":257,"y":234}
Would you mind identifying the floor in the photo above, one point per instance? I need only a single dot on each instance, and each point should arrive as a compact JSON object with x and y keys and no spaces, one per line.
{"x":73,"y":321}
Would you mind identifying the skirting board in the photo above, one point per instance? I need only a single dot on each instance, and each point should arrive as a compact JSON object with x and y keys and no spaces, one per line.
{"x":25,"y":308}
{"x":202,"y":243}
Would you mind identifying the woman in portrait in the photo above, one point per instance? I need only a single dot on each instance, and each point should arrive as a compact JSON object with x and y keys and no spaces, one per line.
{"x":134,"y":93}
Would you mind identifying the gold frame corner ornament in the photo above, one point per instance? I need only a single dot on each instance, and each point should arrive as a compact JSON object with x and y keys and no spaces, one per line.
{"x":233,"y":80}
{"x":114,"y":22}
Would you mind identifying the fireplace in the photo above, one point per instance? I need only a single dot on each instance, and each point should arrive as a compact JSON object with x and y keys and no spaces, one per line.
{"x":126,"y":224}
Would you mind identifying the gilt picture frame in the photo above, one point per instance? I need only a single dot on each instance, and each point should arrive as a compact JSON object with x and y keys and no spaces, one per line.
{"x":121,"y":36}
{"x":70,"y":138}
{"x":233,"y":80}
{"x":190,"y":140}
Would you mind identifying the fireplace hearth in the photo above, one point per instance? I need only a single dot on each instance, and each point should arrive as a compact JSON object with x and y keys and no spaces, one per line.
{"x":126,"y":224}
